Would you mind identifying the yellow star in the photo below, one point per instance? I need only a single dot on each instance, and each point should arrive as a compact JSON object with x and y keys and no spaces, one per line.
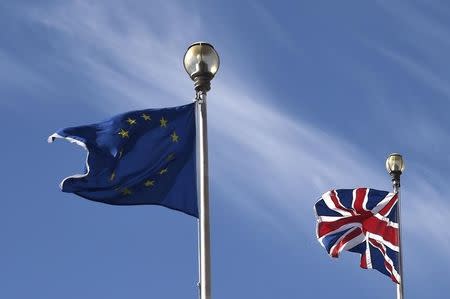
{"x":163,"y":171}
{"x":163,"y":122}
{"x":149,"y":183}
{"x":113,"y":176}
{"x":131,"y":121}
{"x":175,"y":137}
{"x":123,"y":133}
{"x":170,"y":157}
{"x":126,"y":191}
{"x":146,"y":117}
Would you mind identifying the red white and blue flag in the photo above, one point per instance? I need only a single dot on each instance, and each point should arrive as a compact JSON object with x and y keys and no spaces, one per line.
{"x":364,"y":221}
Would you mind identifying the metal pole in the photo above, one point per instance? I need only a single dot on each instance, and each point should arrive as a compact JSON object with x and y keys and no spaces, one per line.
{"x":396,"y":187}
{"x":203,"y":197}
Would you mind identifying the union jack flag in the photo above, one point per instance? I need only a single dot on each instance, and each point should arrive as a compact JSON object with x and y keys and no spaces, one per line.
{"x":364,"y":221}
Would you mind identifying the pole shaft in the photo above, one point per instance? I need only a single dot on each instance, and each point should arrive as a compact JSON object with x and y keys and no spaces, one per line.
{"x":396,"y":185}
{"x":203,"y":197}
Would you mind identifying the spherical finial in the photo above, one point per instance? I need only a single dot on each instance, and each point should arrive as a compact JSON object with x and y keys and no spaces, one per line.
{"x":394,"y":163}
{"x":201,"y":62}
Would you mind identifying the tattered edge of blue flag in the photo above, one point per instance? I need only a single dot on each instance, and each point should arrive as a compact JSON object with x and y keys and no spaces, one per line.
{"x":52,"y":138}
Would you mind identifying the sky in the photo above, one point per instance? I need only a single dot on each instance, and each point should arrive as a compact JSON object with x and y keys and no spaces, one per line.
{"x":310,"y":96}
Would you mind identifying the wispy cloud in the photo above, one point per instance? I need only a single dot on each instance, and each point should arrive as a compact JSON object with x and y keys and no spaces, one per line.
{"x":124,"y":53}
{"x":420,"y":56}
{"x":427,"y":40}
{"x":273,"y":27}
{"x":421,"y":71}
{"x":271,"y":165}
{"x":290,"y":154}
{"x":15,"y":75}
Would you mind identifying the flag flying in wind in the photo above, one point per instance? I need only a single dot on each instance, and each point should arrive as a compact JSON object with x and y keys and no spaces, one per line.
{"x":364,"y":221}
{"x":139,"y":157}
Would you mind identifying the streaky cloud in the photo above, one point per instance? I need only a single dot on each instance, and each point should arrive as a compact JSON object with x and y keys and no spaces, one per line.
{"x":272,"y":166}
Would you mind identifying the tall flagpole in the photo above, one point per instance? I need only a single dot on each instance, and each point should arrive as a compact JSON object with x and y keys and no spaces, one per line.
{"x":396,"y":187}
{"x":203,"y":193}
{"x":201,"y":62}
{"x":395,"y":167}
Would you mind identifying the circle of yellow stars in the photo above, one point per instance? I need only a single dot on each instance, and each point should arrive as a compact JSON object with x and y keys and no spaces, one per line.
{"x":149,"y":183}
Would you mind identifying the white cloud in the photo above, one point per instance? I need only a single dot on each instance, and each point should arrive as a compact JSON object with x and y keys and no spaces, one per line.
{"x":16,"y":75}
{"x":271,"y":165}
{"x":420,"y":71}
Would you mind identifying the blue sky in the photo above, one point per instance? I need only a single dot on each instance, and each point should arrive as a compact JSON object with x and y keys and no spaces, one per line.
{"x":309,"y":97}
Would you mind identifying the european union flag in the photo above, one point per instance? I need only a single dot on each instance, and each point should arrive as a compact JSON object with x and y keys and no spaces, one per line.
{"x":138,"y":158}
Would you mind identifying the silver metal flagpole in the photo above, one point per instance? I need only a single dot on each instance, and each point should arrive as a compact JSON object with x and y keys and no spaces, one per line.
{"x":201,"y":62}
{"x":395,"y":167}
{"x":203,"y":193}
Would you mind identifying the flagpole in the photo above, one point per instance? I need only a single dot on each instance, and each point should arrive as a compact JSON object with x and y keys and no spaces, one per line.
{"x":203,"y":193}
{"x":395,"y":167}
{"x":201,"y":62}
{"x":396,"y":187}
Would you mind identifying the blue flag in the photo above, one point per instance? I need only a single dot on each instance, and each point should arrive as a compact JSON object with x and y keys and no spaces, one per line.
{"x":138,"y":158}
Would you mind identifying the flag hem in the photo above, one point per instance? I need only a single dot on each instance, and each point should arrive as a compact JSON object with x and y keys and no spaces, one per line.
{"x":55,"y":136}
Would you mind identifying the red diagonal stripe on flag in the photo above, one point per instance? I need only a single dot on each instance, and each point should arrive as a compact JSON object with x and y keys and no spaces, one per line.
{"x":350,"y":236}
{"x":326,"y":227}
{"x":389,"y":267}
{"x":337,"y":203}
{"x":386,"y":209}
